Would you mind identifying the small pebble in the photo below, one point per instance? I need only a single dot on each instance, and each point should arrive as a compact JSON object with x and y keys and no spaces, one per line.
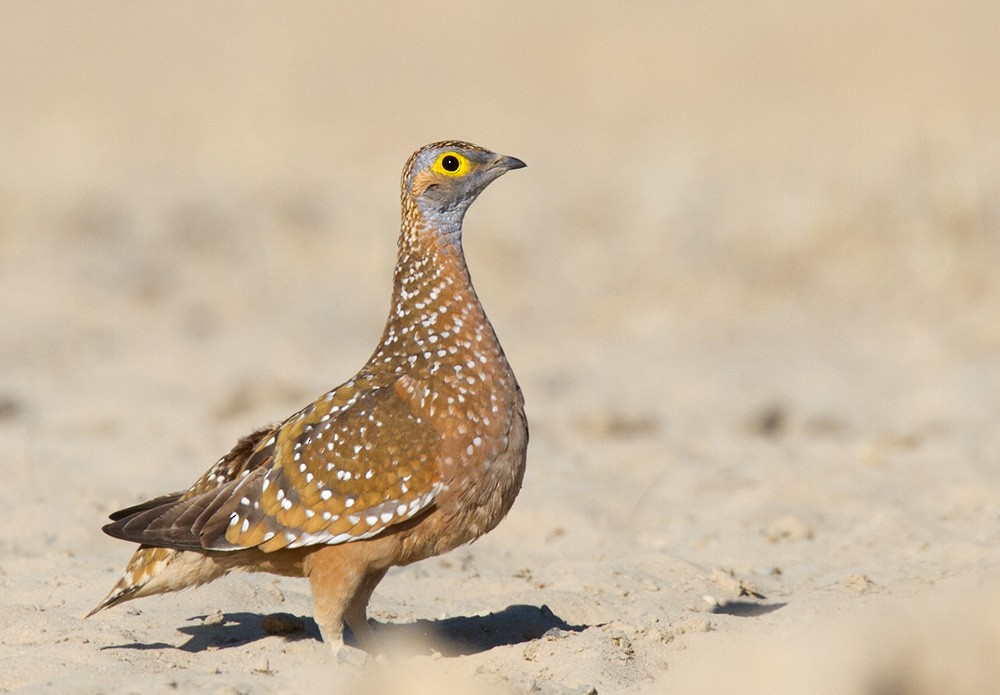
{"x":214,"y":618}
{"x":695,"y":623}
{"x":282,"y":624}
{"x":860,"y":584}
{"x":788,"y":529}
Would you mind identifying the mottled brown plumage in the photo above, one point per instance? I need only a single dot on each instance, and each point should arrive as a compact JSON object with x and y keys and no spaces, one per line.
{"x":422,"y":451}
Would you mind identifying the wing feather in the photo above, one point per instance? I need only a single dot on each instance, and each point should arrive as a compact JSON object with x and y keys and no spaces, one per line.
{"x":347,"y":467}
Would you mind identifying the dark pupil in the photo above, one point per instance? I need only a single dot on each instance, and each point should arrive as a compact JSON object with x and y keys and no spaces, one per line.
{"x":450,"y":163}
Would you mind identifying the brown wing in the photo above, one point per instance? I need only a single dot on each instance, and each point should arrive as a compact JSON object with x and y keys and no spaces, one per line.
{"x":344,"y":468}
{"x":353,"y":463}
{"x":148,"y":504}
{"x":161,"y":521}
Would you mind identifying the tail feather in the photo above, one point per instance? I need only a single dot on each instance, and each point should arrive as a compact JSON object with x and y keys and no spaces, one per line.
{"x":173,"y":523}
{"x":155,"y":570}
{"x":149,"y":504}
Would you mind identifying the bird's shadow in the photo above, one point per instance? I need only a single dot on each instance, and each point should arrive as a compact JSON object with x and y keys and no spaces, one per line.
{"x":747,"y":609}
{"x":466,"y":635}
{"x":457,"y":636}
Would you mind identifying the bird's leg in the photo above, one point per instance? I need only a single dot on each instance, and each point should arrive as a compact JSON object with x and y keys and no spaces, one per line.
{"x":356,"y":615}
{"x":335,"y":581}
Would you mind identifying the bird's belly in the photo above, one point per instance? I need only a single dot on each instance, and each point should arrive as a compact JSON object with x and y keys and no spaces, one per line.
{"x":473,"y":504}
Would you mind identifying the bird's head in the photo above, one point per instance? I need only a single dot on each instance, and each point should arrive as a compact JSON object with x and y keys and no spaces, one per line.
{"x":443,"y":179}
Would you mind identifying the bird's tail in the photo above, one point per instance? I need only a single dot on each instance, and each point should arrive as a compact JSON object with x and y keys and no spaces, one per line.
{"x":155,"y":570}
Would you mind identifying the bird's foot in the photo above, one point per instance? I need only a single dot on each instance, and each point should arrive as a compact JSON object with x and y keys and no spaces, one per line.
{"x":346,"y":654}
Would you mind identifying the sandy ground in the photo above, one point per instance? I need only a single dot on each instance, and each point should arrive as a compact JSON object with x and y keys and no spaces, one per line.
{"x":749,"y":284}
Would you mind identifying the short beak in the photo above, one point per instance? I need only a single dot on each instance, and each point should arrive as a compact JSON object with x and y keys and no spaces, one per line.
{"x":507,"y":163}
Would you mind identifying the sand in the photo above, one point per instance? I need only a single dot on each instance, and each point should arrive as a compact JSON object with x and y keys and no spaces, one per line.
{"x":748,"y":283}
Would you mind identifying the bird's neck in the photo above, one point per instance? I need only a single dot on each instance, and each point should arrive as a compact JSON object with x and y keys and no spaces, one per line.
{"x":435,"y":316}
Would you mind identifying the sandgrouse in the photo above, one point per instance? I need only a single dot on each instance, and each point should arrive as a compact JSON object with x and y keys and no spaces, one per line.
{"x":422,"y":451}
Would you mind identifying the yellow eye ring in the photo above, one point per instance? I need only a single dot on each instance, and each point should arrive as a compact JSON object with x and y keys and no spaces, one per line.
{"x":451,"y":164}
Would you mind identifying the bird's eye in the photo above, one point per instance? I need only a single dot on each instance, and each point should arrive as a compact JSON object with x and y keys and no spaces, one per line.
{"x":451,"y":164}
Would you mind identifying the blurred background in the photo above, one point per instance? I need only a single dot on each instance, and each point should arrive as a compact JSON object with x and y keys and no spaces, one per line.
{"x":772,"y":214}
{"x":755,"y":252}
{"x":172,"y":171}
{"x":781,"y":217}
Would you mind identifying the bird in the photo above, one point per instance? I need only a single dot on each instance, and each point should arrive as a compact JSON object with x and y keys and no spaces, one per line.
{"x":422,"y":451}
